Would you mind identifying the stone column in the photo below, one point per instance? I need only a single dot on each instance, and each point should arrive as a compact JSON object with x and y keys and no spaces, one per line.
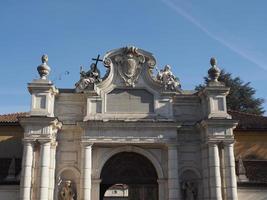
{"x":230,"y":175}
{"x":44,"y":170}
{"x":222,"y":170}
{"x":173,"y":178}
{"x":214,"y":175}
{"x":26,"y":175}
{"x":86,"y":181}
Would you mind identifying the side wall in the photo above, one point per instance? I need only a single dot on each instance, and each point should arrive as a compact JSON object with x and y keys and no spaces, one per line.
{"x":11,"y":141}
{"x":10,"y":147}
{"x":251,"y":146}
{"x":9,"y":192}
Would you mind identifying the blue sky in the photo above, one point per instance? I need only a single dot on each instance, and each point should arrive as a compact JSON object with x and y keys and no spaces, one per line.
{"x":182,"y":33}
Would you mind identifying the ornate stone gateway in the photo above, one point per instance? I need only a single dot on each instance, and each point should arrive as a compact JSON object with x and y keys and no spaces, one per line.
{"x":133,"y":128}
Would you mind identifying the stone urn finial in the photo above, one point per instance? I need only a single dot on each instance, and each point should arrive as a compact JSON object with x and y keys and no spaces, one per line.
{"x":214,"y":72}
{"x":43,"y":69}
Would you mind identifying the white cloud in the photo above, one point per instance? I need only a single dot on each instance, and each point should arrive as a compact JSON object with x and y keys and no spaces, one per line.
{"x":244,"y":53}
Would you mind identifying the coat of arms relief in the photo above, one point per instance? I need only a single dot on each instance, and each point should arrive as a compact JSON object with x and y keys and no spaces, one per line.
{"x":130,"y":65}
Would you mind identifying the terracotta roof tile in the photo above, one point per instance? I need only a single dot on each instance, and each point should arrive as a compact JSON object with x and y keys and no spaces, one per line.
{"x":12,"y":117}
{"x":248,"y":121}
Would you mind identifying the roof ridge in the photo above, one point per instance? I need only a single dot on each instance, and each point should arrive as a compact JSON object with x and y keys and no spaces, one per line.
{"x":15,"y":113}
{"x":245,"y":113}
{"x":11,"y":117}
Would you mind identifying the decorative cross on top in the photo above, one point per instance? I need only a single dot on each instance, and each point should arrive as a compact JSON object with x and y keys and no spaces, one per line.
{"x":97,"y":59}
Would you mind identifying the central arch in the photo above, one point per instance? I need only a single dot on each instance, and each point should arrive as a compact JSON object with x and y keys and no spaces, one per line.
{"x":134,"y":149}
{"x":131,"y":169}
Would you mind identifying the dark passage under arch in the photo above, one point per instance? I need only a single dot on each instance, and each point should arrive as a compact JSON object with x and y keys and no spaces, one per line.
{"x":134,"y":170}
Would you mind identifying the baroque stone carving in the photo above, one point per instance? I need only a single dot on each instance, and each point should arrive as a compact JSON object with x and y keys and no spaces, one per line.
{"x":214,"y":72}
{"x":88,"y":78}
{"x":107,"y":62}
{"x":167,"y":79}
{"x":66,"y":191}
{"x":129,"y":65}
{"x":43,"y":69}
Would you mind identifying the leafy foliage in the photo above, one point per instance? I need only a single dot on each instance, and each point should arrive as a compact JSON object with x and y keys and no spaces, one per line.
{"x":241,"y":96}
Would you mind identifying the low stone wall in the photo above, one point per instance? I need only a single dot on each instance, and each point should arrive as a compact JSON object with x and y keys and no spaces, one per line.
{"x":8,"y":192}
{"x":248,"y":193}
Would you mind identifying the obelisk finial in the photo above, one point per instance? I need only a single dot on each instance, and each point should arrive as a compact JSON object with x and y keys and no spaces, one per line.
{"x":43,"y":69}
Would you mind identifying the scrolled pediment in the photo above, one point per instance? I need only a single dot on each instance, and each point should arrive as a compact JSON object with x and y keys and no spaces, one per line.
{"x":130,"y":89}
{"x":129,"y":64}
{"x":133,"y":67}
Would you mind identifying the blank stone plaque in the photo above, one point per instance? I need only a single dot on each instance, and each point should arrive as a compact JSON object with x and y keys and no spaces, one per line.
{"x":130,"y":101}
{"x":218,"y":104}
{"x":40,"y":102}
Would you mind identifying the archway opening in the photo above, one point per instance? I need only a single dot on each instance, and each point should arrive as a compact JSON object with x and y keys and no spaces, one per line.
{"x":117,"y":191}
{"x":133,"y":170}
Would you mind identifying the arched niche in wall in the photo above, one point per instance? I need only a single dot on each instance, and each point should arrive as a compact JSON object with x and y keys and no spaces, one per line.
{"x":191,"y":187}
{"x":67,"y":183}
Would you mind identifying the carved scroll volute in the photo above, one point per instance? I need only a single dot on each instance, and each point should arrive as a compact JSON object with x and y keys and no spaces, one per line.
{"x":129,"y":65}
{"x":107,"y":62}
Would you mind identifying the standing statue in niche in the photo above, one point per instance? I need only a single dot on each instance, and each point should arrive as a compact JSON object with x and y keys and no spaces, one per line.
{"x":66,"y":191}
{"x":189,"y":190}
{"x":166,"y":77}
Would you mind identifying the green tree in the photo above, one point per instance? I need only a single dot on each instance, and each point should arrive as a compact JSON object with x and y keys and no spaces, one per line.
{"x":241,"y":96}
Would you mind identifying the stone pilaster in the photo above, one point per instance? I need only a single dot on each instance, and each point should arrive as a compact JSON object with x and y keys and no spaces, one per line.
{"x":44,"y":170}
{"x":173,"y":178}
{"x":214,"y":169}
{"x":205,"y":171}
{"x":41,"y":127}
{"x":52,"y":170}
{"x":230,"y":175}
{"x":26,"y":175}
{"x":86,"y":169}
{"x":162,"y":188}
{"x":96,"y":188}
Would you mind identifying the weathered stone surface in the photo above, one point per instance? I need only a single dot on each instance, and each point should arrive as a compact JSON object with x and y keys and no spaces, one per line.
{"x":181,"y":134}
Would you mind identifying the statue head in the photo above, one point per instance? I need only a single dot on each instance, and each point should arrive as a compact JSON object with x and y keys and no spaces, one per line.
{"x":167,"y":68}
{"x":68,"y":183}
{"x":93,"y":66}
{"x":130,"y":55}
